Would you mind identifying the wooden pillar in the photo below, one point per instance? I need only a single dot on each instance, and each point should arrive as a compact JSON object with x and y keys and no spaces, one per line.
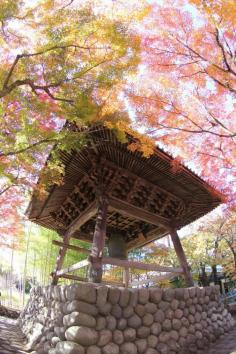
{"x":60,"y":259}
{"x":126,"y":277}
{"x":182,"y":258}
{"x":95,"y":258}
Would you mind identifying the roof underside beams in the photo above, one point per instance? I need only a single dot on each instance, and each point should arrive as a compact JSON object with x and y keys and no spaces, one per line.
{"x":146,"y":196}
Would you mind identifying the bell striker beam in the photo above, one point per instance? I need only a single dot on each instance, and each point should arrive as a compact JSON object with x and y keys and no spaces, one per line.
{"x":95,"y":257}
{"x":182,"y":257}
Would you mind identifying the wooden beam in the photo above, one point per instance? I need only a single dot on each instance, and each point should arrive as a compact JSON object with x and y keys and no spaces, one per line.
{"x":73,"y":277}
{"x":138,"y":265}
{"x":77,"y":223}
{"x":95,"y":270}
{"x":138,"y":213}
{"x":149,"y":237}
{"x":154,"y":279}
{"x":82,"y":219}
{"x":71,"y":247}
{"x":73,"y":267}
{"x":144,"y":181}
{"x":83,"y":236}
{"x":182,"y":258}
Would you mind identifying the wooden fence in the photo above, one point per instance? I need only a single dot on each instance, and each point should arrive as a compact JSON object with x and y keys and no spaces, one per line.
{"x":126,"y":265}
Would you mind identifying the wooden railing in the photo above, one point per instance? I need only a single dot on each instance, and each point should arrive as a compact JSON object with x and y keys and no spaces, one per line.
{"x":71,"y":247}
{"x":123,"y":263}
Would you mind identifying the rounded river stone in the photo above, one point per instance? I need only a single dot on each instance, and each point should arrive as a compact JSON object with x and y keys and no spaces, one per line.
{"x":69,"y":348}
{"x":82,"y":335}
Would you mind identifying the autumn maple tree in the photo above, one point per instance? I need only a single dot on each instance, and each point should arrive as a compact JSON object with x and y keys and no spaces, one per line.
{"x":185,"y":93}
{"x":60,"y":61}
{"x":223,"y":230}
{"x":170,"y":64}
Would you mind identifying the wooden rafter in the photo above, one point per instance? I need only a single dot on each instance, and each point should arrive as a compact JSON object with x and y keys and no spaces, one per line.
{"x":137,"y":178}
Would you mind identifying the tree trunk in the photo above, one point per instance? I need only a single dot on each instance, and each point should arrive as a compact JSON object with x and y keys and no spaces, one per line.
{"x":203,"y":276}
{"x":214,"y":273}
{"x":34,"y":268}
{"x":234,"y":255}
{"x":25,"y":265}
{"x":11,"y":275}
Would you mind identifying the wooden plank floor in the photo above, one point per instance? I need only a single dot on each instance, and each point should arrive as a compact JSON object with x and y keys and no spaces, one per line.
{"x":12,"y":340}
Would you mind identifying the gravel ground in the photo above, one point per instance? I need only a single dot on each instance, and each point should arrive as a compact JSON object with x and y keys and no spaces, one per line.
{"x":224,"y":345}
{"x":11,"y":338}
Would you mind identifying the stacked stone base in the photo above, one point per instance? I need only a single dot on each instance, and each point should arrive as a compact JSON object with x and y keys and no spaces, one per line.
{"x":93,"y":319}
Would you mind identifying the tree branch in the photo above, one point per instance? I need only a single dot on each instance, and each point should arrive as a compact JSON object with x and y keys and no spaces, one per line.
{"x":42,"y":52}
{"x":4,"y":190}
{"x":176,"y":111}
{"x":217,"y":35}
{"x":29,"y":147}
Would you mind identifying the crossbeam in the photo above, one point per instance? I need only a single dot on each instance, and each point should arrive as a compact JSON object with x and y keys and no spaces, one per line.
{"x":138,"y":265}
{"x":71,"y":247}
{"x":138,"y":213}
{"x":154,"y":279}
{"x":73,"y":267}
{"x":144,"y":239}
{"x":73,"y":277}
{"x":82,"y":219}
{"x":77,"y":278}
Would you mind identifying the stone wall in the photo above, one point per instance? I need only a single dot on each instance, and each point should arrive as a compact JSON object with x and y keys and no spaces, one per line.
{"x":94,"y":319}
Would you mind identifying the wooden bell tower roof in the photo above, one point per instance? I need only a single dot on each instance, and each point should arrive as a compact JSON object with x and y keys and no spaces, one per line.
{"x":145,"y":195}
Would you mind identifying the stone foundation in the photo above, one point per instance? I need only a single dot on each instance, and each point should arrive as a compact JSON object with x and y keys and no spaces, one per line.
{"x":95,"y":319}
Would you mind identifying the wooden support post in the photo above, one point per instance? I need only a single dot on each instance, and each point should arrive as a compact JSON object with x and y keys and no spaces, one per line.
{"x":182,"y":258}
{"x":95,"y":258}
{"x":82,"y":219}
{"x":59,"y":262}
{"x":126,"y":277}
